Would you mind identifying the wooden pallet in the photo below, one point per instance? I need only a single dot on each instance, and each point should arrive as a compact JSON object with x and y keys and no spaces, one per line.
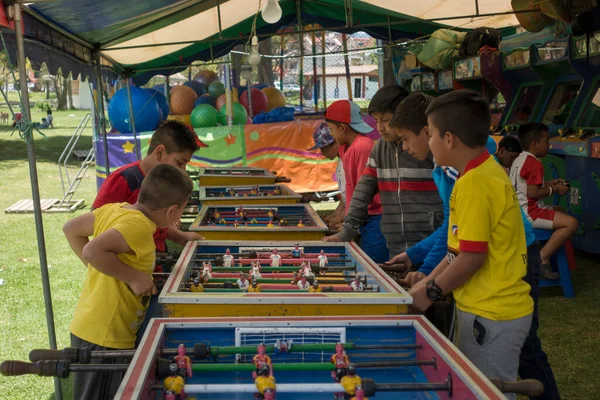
{"x":81,"y":154}
{"x":48,"y":206}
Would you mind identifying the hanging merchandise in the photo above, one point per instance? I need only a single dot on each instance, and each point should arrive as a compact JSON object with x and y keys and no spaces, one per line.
{"x":441,"y":48}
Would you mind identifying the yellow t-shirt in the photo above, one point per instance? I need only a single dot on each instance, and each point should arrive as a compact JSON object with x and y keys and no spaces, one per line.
{"x":108,"y":313}
{"x":485,"y":217}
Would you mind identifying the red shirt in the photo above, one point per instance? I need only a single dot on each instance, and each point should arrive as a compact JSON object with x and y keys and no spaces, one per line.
{"x":123,"y":185}
{"x":354,"y":158}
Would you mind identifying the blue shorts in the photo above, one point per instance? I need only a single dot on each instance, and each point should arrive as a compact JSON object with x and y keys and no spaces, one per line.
{"x":372,"y":241}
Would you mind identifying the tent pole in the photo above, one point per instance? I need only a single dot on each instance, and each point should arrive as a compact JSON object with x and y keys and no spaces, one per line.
{"x":301,"y":42}
{"x":101,"y":116}
{"x":315,"y":80}
{"x":281,"y":65}
{"x":324,"y":74}
{"x":35,"y":190}
{"x":229,"y":105}
{"x":132,"y":120}
{"x":347,"y":65}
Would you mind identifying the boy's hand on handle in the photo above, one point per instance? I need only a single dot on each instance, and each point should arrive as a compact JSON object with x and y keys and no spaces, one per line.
{"x":419,"y":294}
{"x":142,"y":285}
{"x":561,"y":188}
{"x":401,"y":258}
{"x":412,"y":278}
{"x":177,"y":224}
{"x":332,"y":238}
{"x":191,"y":236}
{"x":554,"y":182}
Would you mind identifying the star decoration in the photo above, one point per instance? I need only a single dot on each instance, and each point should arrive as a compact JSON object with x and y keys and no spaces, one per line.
{"x":230,"y":139}
{"x":128,"y":147}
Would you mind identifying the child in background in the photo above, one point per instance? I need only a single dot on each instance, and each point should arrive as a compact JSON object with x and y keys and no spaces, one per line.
{"x":173,"y":143}
{"x":527,"y":176}
{"x":411,"y":206}
{"x":348,"y":129}
{"x":120,"y":259}
{"x":49,"y":119}
{"x":329,"y":148}
{"x":486,"y":237}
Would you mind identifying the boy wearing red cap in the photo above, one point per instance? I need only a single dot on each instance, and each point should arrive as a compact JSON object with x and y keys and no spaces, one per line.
{"x":349,"y":131}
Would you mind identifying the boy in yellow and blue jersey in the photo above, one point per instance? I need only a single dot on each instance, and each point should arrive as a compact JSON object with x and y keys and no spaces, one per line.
{"x":487,"y":252}
{"x":119,"y":260}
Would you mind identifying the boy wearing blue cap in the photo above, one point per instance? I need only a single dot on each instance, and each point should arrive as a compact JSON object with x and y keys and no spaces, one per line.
{"x":329,"y":148}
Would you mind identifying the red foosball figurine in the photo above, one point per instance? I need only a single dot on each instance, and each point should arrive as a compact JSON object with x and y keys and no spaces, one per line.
{"x":341,"y":362}
{"x":264,"y":381}
{"x":169,"y":395}
{"x":184,"y":363}
{"x":260,"y":360}
{"x":175,"y":383}
{"x":269,"y":394}
{"x":236,"y":224}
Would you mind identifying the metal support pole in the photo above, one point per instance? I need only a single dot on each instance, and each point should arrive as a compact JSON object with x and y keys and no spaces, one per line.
{"x":380,"y":62}
{"x":315,"y":80}
{"x":132,"y":121}
{"x":219,"y":20}
{"x":35,"y":190}
{"x":347,"y":65}
{"x":101,"y":117}
{"x":324,"y":74}
{"x":229,"y":106}
{"x":281,"y":65}
{"x":249,"y":94}
{"x":301,"y":40}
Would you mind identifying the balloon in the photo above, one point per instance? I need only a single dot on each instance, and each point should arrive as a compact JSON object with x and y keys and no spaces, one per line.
{"x":206,"y":77}
{"x":275,"y":98}
{"x":198,"y":87}
{"x":240,"y":115}
{"x":204,"y":99}
{"x":161,"y":99}
{"x":182,"y":100}
{"x":204,"y":116}
{"x":216,"y":89}
{"x":145,"y":110}
{"x":259,"y":101}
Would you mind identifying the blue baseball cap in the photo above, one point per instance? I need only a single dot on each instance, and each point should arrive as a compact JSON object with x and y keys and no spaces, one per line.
{"x":322,"y":137}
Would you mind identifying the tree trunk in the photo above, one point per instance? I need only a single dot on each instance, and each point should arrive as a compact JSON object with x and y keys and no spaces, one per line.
{"x":61,"y":94}
{"x":265,"y":68}
{"x":69,"y":92}
{"x":388,"y":67}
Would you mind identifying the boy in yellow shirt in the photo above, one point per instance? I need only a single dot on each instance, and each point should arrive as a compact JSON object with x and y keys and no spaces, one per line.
{"x":120,"y":259}
{"x":487,"y":252}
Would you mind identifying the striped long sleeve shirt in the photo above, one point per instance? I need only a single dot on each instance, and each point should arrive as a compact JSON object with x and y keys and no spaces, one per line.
{"x":412,"y":208}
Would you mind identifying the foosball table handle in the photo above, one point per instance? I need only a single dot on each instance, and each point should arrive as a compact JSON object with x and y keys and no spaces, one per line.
{"x":41,"y":368}
{"x":74,"y":355}
{"x":525,"y":387}
{"x":283,"y":179}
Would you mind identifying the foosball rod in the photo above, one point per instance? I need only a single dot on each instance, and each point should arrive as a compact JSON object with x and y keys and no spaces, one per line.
{"x":201,"y":351}
{"x":280,"y":269}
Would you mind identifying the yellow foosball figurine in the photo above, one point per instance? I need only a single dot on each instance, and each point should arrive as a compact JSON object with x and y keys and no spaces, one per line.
{"x":315,"y":288}
{"x":254,"y":288}
{"x":254,"y":221}
{"x":216,"y":214}
{"x":351,"y":380}
{"x":300,"y":224}
{"x":196,"y":286}
{"x":222,"y":221}
{"x":175,"y":383}
{"x":264,"y":380}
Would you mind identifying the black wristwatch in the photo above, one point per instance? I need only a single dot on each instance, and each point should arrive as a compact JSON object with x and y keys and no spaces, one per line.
{"x":434,"y":293}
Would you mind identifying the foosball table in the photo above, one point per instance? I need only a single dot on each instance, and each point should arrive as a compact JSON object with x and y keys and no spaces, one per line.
{"x":259,"y":222}
{"x":236,"y":278}
{"x":386,"y":357}
{"x":257,"y":194}
{"x":236,"y":176}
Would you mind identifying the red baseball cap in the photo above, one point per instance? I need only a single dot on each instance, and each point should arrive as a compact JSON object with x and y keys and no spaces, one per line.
{"x":347,"y":112}
{"x":199,"y":142}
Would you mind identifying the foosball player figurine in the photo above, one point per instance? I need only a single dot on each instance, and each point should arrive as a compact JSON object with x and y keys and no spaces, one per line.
{"x":277,"y":191}
{"x":242,"y":282}
{"x":196,"y":286}
{"x":315,"y":288}
{"x":255,"y":288}
{"x":322,"y":259}
{"x":255,"y":271}
{"x":351,"y":380}
{"x":206,"y":269}
{"x":296,"y":278}
{"x":222,"y":221}
{"x":270,"y":224}
{"x":184,"y":363}
{"x":236,"y":224}
{"x":217,"y":214}
{"x":282,"y":221}
{"x":359,"y":394}
{"x":169,"y":395}
{"x":260,"y":360}
{"x":265,"y":380}
{"x":254,"y":221}
{"x":232,"y":192}
{"x":303,"y":284}
{"x":270,"y":213}
{"x":357,"y":285}
{"x":300,"y":224}
{"x":241,"y":212}
{"x":175,"y":382}
{"x":227,"y":259}
{"x":297,"y":252}
{"x":254,"y":191}
{"x":275,"y":258}
{"x":269,"y":394}
{"x":341,"y":362}
{"x":306,"y":270}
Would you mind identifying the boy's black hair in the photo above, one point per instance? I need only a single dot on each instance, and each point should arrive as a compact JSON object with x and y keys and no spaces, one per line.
{"x":510,"y":143}
{"x":410,"y":113}
{"x":464,"y":113}
{"x":530,"y":132}
{"x":49,"y":112}
{"x":386,"y":99}
{"x":175,"y":136}
{"x":164,"y":186}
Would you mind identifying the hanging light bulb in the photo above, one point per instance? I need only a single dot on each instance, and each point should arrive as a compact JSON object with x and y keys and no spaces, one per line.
{"x":271,"y":12}
{"x":254,"y":57}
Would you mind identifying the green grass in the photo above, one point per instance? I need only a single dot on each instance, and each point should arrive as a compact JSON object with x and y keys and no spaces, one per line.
{"x":569,"y":328}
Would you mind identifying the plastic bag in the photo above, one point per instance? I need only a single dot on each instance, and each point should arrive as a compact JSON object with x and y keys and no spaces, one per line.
{"x":441,"y":48}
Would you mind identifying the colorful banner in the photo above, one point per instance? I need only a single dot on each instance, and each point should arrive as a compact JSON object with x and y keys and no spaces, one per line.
{"x":278,"y":147}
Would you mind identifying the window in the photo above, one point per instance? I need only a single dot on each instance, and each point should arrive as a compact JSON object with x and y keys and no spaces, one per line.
{"x":524,"y":104}
{"x":591,"y":116}
{"x":561,"y":103}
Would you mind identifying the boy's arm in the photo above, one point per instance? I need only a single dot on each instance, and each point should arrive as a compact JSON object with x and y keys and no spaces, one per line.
{"x":115,"y":190}
{"x":435,"y":246}
{"x":178,"y":236}
{"x":101,"y":253}
{"x":77,"y":231}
